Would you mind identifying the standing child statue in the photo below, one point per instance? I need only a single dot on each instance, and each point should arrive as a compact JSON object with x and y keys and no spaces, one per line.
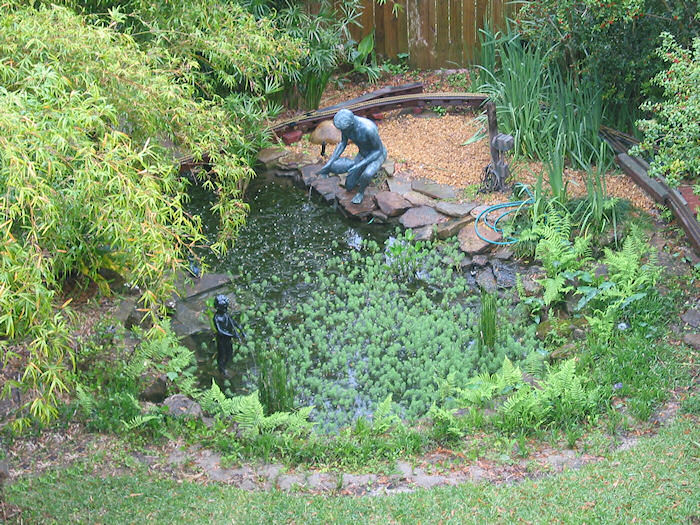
{"x":364,"y":133}
{"x":226,"y":328}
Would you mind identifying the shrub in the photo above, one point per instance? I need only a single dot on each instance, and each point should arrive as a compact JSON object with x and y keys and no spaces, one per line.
{"x":672,"y":135}
{"x":610,"y":44}
{"x":87,"y":180}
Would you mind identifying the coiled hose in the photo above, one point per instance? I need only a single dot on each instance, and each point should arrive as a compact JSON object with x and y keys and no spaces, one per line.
{"x":514,"y":206}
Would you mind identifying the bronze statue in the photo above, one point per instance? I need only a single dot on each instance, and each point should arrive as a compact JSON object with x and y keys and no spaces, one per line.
{"x":226,"y":328}
{"x":364,"y":133}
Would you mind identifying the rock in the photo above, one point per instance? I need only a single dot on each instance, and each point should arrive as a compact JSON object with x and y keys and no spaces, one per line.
{"x":503,"y":253}
{"x":561,"y":327}
{"x":188,"y":320}
{"x":426,"y":233}
{"x":189,"y":288}
{"x":389,"y":167}
{"x":601,"y":271}
{"x":125,"y":311}
{"x":327,"y":187}
{"x":326,"y":132}
{"x":530,"y":285}
{"x":418,"y":199}
{"x":392,"y":204}
{"x":692,"y":317}
{"x":563,"y":352}
{"x":452,"y":227}
{"x":268,"y":157}
{"x":454,"y":209}
{"x":476,"y":211}
{"x":290,"y":137}
{"x":399,"y":184}
{"x":486,"y":281}
{"x":309,"y":173}
{"x":181,"y":405}
{"x":571,"y":303}
{"x":504,"y":274}
{"x":466,"y":262}
{"x":471,"y":244}
{"x":379,"y":216}
{"x":480,"y":260}
{"x":286,"y":173}
{"x":294,"y":161}
{"x":156,"y":391}
{"x":434,"y":190}
{"x":421,"y":216}
{"x":357,"y":211}
{"x":692,"y":340}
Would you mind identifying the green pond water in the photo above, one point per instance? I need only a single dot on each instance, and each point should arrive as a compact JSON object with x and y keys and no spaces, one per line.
{"x":307,"y":290}
{"x":288,"y":232}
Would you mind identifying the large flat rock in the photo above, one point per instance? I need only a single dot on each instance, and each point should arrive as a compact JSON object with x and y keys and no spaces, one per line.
{"x":455,"y":209}
{"x":268,"y":157}
{"x":293,"y":161}
{"x":190,"y":288}
{"x":309,"y":173}
{"x":452,"y":227}
{"x":358,"y":211}
{"x":471,"y":244}
{"x":328,"y":187}
{"x":421,"y":216}
{"x":434,"y":190}
{"x":418,"y":199}
{"x":392,"y":204}
{"x":399,"y":184}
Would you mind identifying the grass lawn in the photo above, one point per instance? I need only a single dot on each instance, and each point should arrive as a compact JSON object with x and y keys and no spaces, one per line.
{"x":657,"y":481}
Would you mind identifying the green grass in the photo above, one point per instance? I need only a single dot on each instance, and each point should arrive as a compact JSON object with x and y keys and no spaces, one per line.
{"x":656,"y":482}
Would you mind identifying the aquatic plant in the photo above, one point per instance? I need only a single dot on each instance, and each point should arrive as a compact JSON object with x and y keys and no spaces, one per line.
{"x":367,"y":332}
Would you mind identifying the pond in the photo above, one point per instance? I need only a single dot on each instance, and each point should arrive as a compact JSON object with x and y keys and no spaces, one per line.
{"x":288,"y":232}
{"x":355,"y":314}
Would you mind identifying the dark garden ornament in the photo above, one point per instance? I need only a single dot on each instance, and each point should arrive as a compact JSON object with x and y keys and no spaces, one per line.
{"x":364,"y":133}
{"x":226,"y":328}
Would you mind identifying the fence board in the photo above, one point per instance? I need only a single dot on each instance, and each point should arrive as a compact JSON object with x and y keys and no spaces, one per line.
{"x":455,"y":55}
{"x":469,"y":31}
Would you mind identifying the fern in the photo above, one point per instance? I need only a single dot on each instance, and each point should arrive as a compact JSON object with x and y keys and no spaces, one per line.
{"x":383,"y":418}
{"x":140,"y":421}
{"x":86,"y":402}
{"x":248,"y":412}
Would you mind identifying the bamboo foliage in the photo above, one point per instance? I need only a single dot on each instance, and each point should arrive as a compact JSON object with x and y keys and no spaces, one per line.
{"x":86,"y":181}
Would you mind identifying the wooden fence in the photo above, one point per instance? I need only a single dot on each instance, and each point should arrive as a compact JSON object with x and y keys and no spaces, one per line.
{"x":434,"y":33}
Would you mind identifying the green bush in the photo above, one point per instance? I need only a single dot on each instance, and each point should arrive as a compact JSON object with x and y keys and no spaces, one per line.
{"x":610,"y":44}
{"x":88,"y":179}
{"x":552,"y":116}
{"x":672,"y":135}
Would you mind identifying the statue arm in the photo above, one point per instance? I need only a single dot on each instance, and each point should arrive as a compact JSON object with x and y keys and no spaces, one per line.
{"x":337,"y":152}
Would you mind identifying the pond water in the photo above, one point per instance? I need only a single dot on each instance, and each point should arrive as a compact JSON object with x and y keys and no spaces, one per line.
{"x":288,"y":232}
{"x":351,"y":327}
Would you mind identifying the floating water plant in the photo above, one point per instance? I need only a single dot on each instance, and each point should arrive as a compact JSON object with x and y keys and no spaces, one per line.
{"x":375,"y":326}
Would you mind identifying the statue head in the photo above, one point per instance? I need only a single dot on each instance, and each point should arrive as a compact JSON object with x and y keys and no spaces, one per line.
{"x":344,"y":119}
{"x":221,"y":303}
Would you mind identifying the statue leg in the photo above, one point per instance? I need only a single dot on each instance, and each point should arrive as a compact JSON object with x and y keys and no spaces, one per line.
{"x":365,"y":178}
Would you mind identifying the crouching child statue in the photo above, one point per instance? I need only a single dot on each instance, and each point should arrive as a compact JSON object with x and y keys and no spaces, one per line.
{"x":364,"y":133}
{"x":226,"y":329}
